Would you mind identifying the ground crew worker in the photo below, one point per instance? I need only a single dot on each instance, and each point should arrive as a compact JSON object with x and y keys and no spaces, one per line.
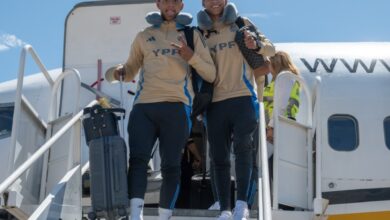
{"x":289,"y":93}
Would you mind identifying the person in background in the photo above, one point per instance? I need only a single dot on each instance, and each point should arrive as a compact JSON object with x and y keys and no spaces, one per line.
{"x":234,"y":108}
{"x":289,"y":93}
{"x":163,"y":100}
{"x":289,"y":98}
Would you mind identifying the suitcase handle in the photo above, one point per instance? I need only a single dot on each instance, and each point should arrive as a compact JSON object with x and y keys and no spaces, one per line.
{"x":116,"y":110}
{"x":97,"y":109}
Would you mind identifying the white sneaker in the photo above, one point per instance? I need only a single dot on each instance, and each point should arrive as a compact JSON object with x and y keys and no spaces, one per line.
{"x":136,"y":209}
{"x":164,"y":214}
{"x":225,"y":215}
{"x":241,"y":211}
{"x":215,"y":206}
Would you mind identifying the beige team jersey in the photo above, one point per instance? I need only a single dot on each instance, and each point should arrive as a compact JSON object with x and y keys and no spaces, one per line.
{"x":164,"y":74}
{"x":234,"y":75}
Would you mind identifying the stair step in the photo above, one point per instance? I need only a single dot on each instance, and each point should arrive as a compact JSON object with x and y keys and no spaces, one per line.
{"x":5,"y":215}
{"x":181,"y":213}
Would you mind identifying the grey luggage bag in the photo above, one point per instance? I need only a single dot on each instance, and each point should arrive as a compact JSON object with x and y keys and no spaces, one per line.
{"x":108,"y":163}
{"x":108,"y":170}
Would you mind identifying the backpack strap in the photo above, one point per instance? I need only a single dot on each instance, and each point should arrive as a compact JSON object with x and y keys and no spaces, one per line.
{"x":240,"y":22}
{"x":189,"y":34}
{"x":203,"y":89}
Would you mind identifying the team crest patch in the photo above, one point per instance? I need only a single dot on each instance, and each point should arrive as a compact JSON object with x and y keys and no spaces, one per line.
{"x":151,"y":39}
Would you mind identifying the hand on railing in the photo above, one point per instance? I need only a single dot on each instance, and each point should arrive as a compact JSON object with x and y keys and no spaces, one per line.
{"x":115,"y":73}
{"x":270,"y":134}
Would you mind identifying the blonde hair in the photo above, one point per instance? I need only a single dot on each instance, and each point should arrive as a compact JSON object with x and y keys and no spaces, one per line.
{"x":281,"y":61}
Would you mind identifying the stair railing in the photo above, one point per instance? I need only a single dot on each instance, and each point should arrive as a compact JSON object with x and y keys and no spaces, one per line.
{"x":45,"y":147}
{"x":15,"y":174}
{"x":264,"y":191}
{"x":18,"y":99}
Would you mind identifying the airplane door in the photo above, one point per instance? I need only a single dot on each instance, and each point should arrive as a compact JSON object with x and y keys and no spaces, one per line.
{"x":292,"y":184}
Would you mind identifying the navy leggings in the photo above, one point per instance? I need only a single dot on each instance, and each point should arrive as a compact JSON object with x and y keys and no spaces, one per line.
{"x":237,"y":118}
{"x":169,"y":122}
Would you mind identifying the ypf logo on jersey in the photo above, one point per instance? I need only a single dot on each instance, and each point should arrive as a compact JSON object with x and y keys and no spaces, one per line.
{"x":222,"y":46}
{"x":166,"y":52}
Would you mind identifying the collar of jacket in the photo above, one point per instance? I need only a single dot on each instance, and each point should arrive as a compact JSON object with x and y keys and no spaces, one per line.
{"x":155,"y":19}
{"x":229,"y":16}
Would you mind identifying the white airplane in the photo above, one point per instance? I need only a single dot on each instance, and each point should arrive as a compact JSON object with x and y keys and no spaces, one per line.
{"x":332,"y":163}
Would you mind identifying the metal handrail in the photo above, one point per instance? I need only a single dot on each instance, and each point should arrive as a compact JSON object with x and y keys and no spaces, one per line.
{"x":37,"y":214}
{"x":309,"y":123}
{"x":56,"y":85}
{"x":318,"y":188}
{"x":264,"y":199}
{"x":18,"y":98}
{"x":52,"y":117}
{"x":85,"y":168}
{"x":41,"y":151}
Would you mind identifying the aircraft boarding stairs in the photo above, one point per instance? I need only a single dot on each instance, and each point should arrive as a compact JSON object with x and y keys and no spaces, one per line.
{"x":45,"y":169}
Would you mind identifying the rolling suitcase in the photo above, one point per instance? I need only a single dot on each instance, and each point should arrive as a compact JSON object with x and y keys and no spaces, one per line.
{"x":108,"y":164}
{"x":108,"y":170}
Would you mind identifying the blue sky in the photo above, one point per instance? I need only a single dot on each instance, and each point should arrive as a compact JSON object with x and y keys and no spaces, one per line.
{"x":41,"y":24}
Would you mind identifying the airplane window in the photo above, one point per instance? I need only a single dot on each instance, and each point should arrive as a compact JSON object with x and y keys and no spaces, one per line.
{"x":343,"y":132}
{"x":386,"y":125}
{"x":6,"y":115}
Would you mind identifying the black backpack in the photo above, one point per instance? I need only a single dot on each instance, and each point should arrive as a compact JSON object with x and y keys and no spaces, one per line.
{"x":203,"y":90}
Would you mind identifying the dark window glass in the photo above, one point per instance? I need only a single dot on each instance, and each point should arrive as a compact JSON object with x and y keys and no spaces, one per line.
{"x":386,"y":125}
{"x":6,"y":115}
{"x":343,"y":131}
